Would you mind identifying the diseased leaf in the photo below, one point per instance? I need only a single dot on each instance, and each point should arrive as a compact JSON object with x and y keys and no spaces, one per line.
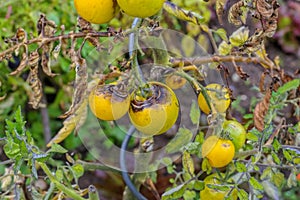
{"x":182,"y":138}
{"x":182,"y":14}
{"x":220,"y":4}
{"x":187,"y":163}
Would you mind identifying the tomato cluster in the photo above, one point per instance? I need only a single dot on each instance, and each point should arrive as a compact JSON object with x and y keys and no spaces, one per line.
{"x":152,"y":108}
{"x":102,"y":11}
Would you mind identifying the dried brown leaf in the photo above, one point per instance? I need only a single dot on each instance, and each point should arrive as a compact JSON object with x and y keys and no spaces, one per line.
{"x":261,"y":110}
{"x":220,"y":4}
{"x":235,"y":13}
{"x":22,"y":65}
{"x":80,"y":84}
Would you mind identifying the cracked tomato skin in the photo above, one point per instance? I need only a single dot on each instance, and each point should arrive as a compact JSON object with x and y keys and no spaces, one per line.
{"x":236,"y":132}
{"x":141,"y":8}
{"x":215,"y":194}
{"x":219,"y":97}
{"x":219,"y":152}
{"x":96,"y":11}
{"x":157,"y":112}
{"x":107,"y":103}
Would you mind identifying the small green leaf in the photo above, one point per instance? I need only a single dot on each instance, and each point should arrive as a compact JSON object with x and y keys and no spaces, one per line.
{"x":222,"y":33}
{"x":240,"y":167}
{"x":183,"y":137}
{"x":56,"y":148}
{"x":267,"y":173}
{"x":175,"y":192}
{"x":199,"y":185}
{"x":59,"y":174}
{"x":252,"y":137}
{"x":275,"y":158}
{"x":242,"y":194}
{"x":189,"y":195}
{"x":78,"y":170}
{"x":271,"y":190}
{"x":255,"y":184}
{"x":278,"y":179}
{"x":195,"y":113}
{"x":276,"y":145}
{"x":287,"y":155}
{"x":291,"y":85}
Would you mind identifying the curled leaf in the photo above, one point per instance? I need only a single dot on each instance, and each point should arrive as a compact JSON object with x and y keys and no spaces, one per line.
{"x":236,"y":12}
{"x":261,"y":110}
{"x":182,"y":14}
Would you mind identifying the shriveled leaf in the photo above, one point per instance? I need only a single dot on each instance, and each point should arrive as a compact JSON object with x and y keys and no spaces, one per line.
{"x":182,"y":14}
{"x":237,"y":13}
{"x":182,"y":138}
{"x":261,"y":110}
{"x":220,"y":4}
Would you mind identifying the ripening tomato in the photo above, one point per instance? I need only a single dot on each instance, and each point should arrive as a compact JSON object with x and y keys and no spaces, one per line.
{"x":108,"y":102}
{"x":154,"y":108}
{"x":96,"y":11}
{"x":141,"y":8}
{"x":219,"y":152}
{"x":218,"y":97}
{"x":236,"y":133}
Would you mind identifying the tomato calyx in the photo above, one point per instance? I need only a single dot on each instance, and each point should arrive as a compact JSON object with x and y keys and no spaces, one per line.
{"x":118,"y":92}
{"x":147,"y":96}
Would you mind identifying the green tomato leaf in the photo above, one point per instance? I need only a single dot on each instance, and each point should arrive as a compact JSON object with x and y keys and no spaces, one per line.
{"x":222,"y":33}
{"x":174,"y":193}
{"x":240,"y":167}
{"x":287,"y":155}
{"x":195,"y":113}
{"x":199,"y":185}
{"x":291,"y":85}
{"x":267,"y":173}
{"x":224,"y":48}
{"x":56,"y":148}
{"x":255,"y":184}
{"x":183,"y":137}
{"x":276,"y":158}
{"x":276,"y":145}
{"x":271,"y":190}
{"x":189,"y":195}
{"x":278,"y":179}
{"x":78,"y":170}
{"x":242,"y":194}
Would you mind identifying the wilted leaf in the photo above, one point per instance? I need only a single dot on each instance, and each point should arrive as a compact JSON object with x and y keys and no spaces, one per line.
{"x":220,"y":4}
{"x":182,"y":14}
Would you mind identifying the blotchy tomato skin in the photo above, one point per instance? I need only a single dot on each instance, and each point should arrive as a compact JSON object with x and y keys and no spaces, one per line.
{"x":155,"y":114}
{"x":108,"y":105}
{"x":214,"y":194}
{"x":175,"y":81}
{"x":219,"y":98}
{"x":236,"y":132}
{"x":141,"y":8}
{"x":96,"y":11}
{"x":219,"y":152}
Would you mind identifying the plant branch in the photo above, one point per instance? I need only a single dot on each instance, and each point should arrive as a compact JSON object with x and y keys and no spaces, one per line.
{"x":46,"y":40}
{"x":219,"y":58}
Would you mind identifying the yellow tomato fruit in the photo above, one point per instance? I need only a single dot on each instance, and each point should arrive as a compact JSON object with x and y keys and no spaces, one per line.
{"x":141,"y":8}
{"x":107,"y":103}
{"x":175,"y":81}
{"x":218,"y":96}
{"x":156,"y":111}
{"x":219,"y":152}
{"x":215,"y":194}
{"x":96,"y":11}
{"x":236,"y":133}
